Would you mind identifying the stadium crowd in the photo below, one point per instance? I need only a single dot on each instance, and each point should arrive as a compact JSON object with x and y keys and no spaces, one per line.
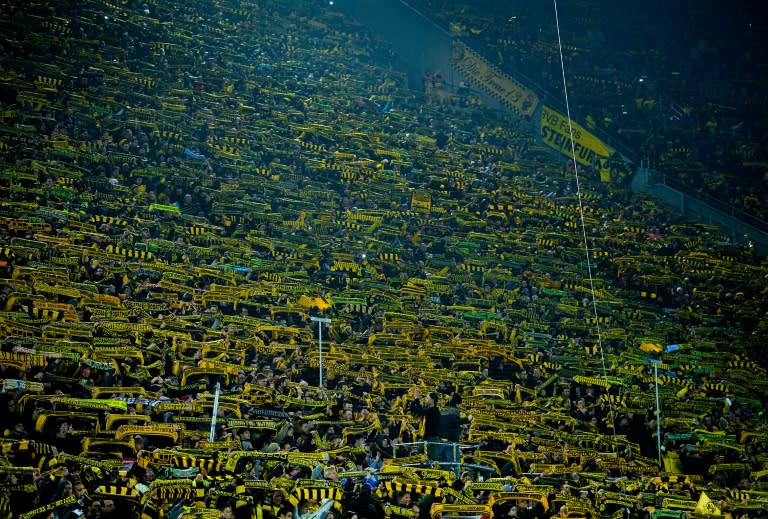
{"x":187,"y":188}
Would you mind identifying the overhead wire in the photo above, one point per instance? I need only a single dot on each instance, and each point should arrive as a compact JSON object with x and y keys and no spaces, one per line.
{"x":598,"y":332}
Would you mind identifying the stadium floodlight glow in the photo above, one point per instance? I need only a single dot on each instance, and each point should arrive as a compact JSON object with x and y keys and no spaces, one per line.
{"x":320,"y":321}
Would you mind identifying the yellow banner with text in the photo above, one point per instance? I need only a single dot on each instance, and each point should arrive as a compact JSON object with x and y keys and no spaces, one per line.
{"x":554,"y":132}
{"x":492,"y":80}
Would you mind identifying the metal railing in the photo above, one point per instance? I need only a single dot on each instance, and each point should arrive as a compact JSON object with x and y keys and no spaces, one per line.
{"x":696,"y":206}
{"x":658,"y":177}
{"x":436,"y":451}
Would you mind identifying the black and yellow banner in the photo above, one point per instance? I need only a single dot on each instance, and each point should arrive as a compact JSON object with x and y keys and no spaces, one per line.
{"x":492,"y":80}
{"x":554,"y":131}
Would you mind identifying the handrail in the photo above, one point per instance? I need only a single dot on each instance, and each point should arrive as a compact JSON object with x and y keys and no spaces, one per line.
{"x":712,"y":201}
{"x":455,"y":447}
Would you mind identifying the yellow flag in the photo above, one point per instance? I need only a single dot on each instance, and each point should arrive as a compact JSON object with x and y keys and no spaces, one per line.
{"x":706,"y":506}
{"x":672,"y":463}
{"x":318,"y":302}
{"x":651,"y":347}
{"x":322,"y":303}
